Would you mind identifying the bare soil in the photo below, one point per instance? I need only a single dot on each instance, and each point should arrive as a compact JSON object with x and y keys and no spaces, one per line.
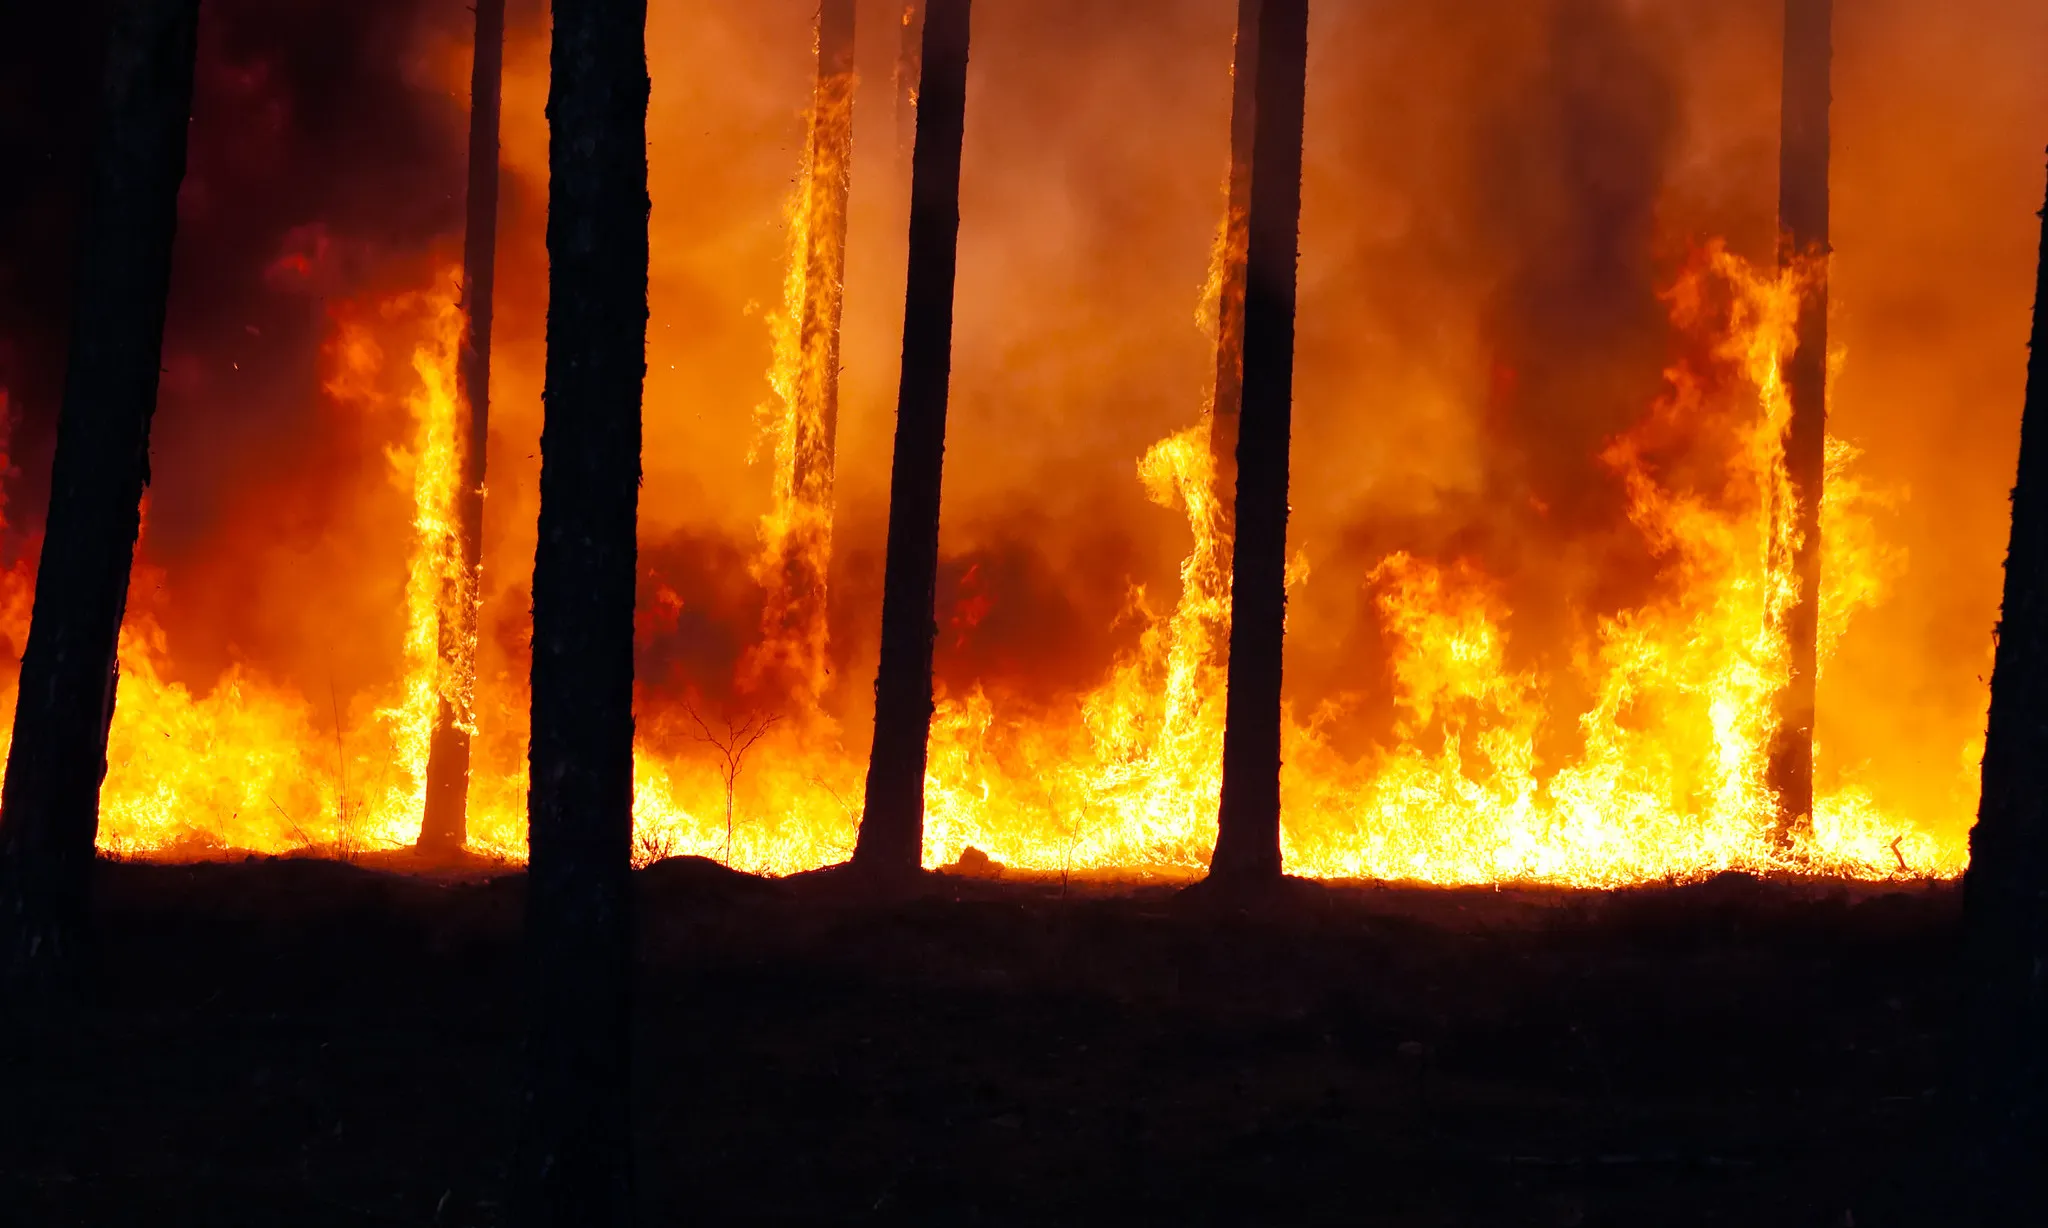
{"x":303,"y":1043}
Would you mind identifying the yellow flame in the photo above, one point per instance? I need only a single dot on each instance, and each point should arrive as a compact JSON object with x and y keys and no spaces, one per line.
{"x":1663,"y":776}
{"x":796,"y":535}
{"x":437,"y":584}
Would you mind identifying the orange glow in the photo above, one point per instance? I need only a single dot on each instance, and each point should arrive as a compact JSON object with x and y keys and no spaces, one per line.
{"x":796,"y":536}
{"x":1435,"y":730}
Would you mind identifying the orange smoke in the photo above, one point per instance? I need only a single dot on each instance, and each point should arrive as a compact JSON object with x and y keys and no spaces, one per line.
{"x":1534,"y":589}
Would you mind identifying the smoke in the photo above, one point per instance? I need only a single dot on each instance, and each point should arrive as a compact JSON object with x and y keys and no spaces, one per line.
{"x":1497,"y":192}
{"x":325,"y":164}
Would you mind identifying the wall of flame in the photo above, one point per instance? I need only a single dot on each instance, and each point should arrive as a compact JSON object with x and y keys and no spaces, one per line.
{"x":1529,"y":625}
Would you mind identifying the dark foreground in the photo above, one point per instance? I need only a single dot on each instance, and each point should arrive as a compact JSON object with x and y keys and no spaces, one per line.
{"x":300,"y":1043}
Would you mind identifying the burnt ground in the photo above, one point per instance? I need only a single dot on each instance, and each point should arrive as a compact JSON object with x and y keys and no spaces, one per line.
{"x":303,"y":1043}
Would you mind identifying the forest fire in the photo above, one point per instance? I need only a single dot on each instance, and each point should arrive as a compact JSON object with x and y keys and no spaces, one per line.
{"x":1667,"y":782}
{"x":1481,"y":669}
{"x":1577,"y":690}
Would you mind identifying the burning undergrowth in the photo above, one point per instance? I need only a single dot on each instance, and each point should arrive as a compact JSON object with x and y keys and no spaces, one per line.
{"x":1532,"y":604}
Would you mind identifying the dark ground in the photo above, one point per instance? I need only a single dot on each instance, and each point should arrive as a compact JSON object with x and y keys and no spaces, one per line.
{"x":299,"y":1043}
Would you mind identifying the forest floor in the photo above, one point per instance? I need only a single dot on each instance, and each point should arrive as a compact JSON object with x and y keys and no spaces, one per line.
{"x":297,"y":1043}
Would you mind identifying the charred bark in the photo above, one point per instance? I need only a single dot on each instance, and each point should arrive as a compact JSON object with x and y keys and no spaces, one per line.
{"x":1248,"y":824}
{"x":795,"y":617}
{"x":49,"y":807}
{"x":831,"y":159}
{"x":892,"y":829}
{"x":574,"y":1166}
{"x":1234,"y":250}
{"x":2005,"y":893}
{"x":444,"y":828}
{"x":1803,"y":243}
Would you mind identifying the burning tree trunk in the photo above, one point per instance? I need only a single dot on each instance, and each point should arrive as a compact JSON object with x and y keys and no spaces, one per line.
{"x":1248,"y":829}
{"x":798,"y":557}
{"x":1231,"y":254}
{"x":444,"y":827}
{"x":2005,"y":893}
{"x":892,"y":829}
{"x":909,"y":71}
{"x":575,"y":1161}
{"x":49,"y":809}
{"x":1803,"y":244}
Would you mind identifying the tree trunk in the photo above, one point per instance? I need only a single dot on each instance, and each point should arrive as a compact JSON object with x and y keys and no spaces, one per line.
{"x":892,"y":829}
{"x":825,"y":268}
{"x":445,"y":826}
{"x":1232,"y":256}
{"x":1803,"y":237}
{"x":1248,"y":824}
{"x":795,"y":618}
{"x":2005,"y":893}
{"x":49,"y":805}
{"x":575,"y":1162}
{"x":909,"y":70}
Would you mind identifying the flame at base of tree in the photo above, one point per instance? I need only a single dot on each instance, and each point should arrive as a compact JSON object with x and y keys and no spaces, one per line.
{"x":1664,"y":775}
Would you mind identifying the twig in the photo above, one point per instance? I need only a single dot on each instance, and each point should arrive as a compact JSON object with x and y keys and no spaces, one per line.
{"x":300,"y":832}
{"x":852,"y":816}
{"x":340,"y":756}
{"x":739,"y":739}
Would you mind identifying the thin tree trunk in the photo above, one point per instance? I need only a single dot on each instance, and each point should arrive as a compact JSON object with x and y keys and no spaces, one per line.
{"x":892,"y":830}
{"x":1233,"y":255}
{"x":1803,"y":237}
{"x":445,"y":826}
{"x":575,"y":1165}
{"x":909,"y":71}
{"x":2005,"y":893}
{"x":825,"y":269}
{"x":796,"y":635}
{"x":49,"y":807}
{"x":1248,"y":825}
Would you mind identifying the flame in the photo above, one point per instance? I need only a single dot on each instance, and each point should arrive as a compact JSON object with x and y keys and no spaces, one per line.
{"x":1669,"y":779}
{"x":250,"y":763}
{"x":800,"y":421}
{"x":1663,"y":775}
{"x":1666,"y":779}
{"x":437,"y":584}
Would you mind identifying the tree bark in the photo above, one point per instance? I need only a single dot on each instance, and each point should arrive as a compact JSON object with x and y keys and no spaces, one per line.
{"x":825,"y":269}
{"x":49,"y":805}
{"x":1803,"y":237}
{"x":445,"y":826}
{"x":1248,"y":823}
{"x":574,"y":1166}
{"x":1228,"y":397}
{"x":796,"y":614}
{"x":892,"y":829}
{"x":2005,"y":893}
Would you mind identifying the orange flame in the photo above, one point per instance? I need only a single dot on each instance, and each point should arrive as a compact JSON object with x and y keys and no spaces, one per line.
{"x":1665,"y":778}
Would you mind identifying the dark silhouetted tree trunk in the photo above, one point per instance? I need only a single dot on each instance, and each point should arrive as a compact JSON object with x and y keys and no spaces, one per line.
{"x":574,"y":1169}
{"x":892,"y":830}
{"x":909,"y":70}
{"x":1228,"y":398}
{"x":2005,"y":893}
{"x":49,"y":811}
{"x":1248,"y":832}
{"x":1803,"y":236}
{"x":445,"y":826}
